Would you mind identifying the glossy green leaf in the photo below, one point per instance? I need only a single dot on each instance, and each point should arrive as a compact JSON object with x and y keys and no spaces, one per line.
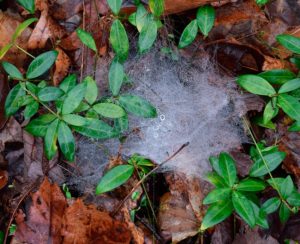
{"x":74,"y":98}
{"x":86,"y":38}
{"x":284,"y":213}
{"x":260,"y":121}
{"x":119,"y":40}
{"x":273,"y":160}
{"x":32,"y":88}
{"x":275,"y":181}
{"x":256,"y":85}
{"x":39,"y":126}
{"x":290,"y":86}
{"x":138,"y":106}
{"x":260,"y":216}
{"x":216,"y":195}
{"x":291,"y":43}
{"x":277,"y":76}
{"x":227,"y":168}
{"x":5,"y":49}
{"x":66,"y":141}
{"x":115,"y":6}
{"x":91,"y":113}
{"x":114,"y":178}
{"x":205,"y":19}
{"x":216,"y":213}
{"x":115,"y":76}
{"x":132,"y":19}
{"x":121,"y":124}
{"x":31,"y":109}
{"x":147,"y":36}
{"x":295,"y":61}
{"x":156,"y":7}
{"x":295,"y":127}
{"x":142,"y":17}
{"x":68,"y":83}
{"x":28,"y":5}
{"x":294,"y":199}
{"x":270,"y":111}
{"x":22,"y":27}
{"x":12,"y":104}
{"x":74,"y":119}
{"x":290,"y":105}
{"x":50,"y":139}
{"x":109,"y":110}
{"x":244,"y":208}
{"x":50,"y":93}
{"x":24,"y":100}
{"x":214,"y":162}
{"x":287,"y":187}
{"x":82,"y":107}
{"x":96,"y":129}
{"x":189,"y":34}
{"x":41,"y":64}
{"x":271,"y":205}
{"x":251,"y":185}
{"x":12,"y":71}
{"x":216,"y":180}
{"x":91,"y":90}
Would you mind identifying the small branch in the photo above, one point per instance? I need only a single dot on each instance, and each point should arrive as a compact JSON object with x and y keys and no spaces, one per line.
{"x":24,"y":51}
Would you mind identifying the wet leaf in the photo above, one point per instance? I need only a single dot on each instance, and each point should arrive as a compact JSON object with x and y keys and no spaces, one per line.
{"x":41,"y":64}
{"x":271,"y":205}
{"x":12,"y":100}
{"x":68,"y":83}
{"x":116,"y":76}
{"x":205,"y":19}
{"x":290,"y":105}
{"x":50,"y":139}
{"x":189,"y":34}
{"x":290,"y":86}
{"x":87,"y":39}
{"x":39,"y":126}
{"x":74,"y":119}
{"x":115,"y":6}
{"x":277,"y":76}
{"x":227,"y":168}
{"x":12,"y":71}
{"x":270,"y":111}
{"x":147,"y":36}
{"x":251,"y":185}
{"x":50,"y":93}
{"x":216,"y":180}
{"x":74,"y":98}
{"x":28,"y":5}
{"x":119,"y":40}
{"x":156,"y":7}
{"x":91,"y":90}
{"x":114,"y":178}
{"x":284,"y":213}
{"x":221,"y":194}
{"x":109,"y":110}
{"x":121,"y":124}
{"x":286,"y":187}
{"x":291,"y":43}
{"x":66,"y":141}
{"x":22,"y":27}
{"x":31,"y":109}
{"x":138,"y":106}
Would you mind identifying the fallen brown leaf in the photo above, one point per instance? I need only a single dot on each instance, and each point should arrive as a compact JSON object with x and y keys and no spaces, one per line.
{"x":4,"y":89}
{"x":62,"y":65}
{"x":3,"y":178}
{"x":12,"y":132}
{"x":253,"y":237}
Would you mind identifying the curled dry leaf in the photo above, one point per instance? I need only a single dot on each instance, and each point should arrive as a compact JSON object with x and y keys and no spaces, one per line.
{"x":62,"y":65}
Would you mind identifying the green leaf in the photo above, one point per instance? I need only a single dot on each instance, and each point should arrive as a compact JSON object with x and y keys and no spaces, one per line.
{"x":132,"y":19}
{"x":74,"y":119}
{"x":295,"y":127}
{"x":115,"y":76}
{"x":96,"y":129}
{"x":12,"y":100}
{"x":259,"y":121}
{"x":270,"y":111}
{"x":38,"y":127}
{"x":119,"y":40}
{"x":147,"y":36}
{"x":114,"y":178}
{"x":87,"y":39}
{"x":41,"y":64}
{"x":273,"y":160}
{"x":142,"y":17}
{"x":216,"y":180}
{"x":219,"y":194}
{"x":295,"y":61}
{"x":138,"y":106}
{"x":109,"y":110}
{"x":275,"y":181}
{"x":271,"y":205}
{"x":82,"y":107}
{"x":244,"y":208}
{"x":284,"y":213}
{"x":290,"y":105}
{"x":294,"y":199}
{"x":121,"y":124}
{"x":214,"y":162}
{"x":5,"y":49}
{"x":260,"y":216}
{"x":290,"y":86}
{"x":227,"y":168}
{"x":291,"y":43}
{"x":22,"y":27}
{"x":50,"y":93}
{"x":115,"y":6}
{"x":31,"y":109}
{"x":156,"y":7}
{"x":206,"y":19}
{"x":91,"y":90}
{"x":287,"y":187}
{"x":28,"y":5}
{"x":256,"y":85}
{"x":66,"y":141}
{"x":189,"y":34}
{"x":251,"y":185}
{"x":12,"y":71}
{"x":68,"y":83}
{"x":50,"y":139}
{"x":32,"y":87}
{"x":74,"y":98}
{"x":91,"y":113}
{"x":277,"y":76}
{"x":216,"y":213}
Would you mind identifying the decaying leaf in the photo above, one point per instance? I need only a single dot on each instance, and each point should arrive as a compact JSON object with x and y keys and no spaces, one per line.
{"x":62,"y":65}
{"x":4,"y":89}
{"x":12,"y":132}
{"x":253,"y":236}
{"x":3,"y":178}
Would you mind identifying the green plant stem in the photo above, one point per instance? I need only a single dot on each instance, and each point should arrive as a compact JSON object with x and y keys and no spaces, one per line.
{"x":266,"y":165}
{"x":24,"y":51}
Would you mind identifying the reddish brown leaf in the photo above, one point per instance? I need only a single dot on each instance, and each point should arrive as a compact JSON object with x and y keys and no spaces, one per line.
{"x":3,"y":178}
{"x":4,"y":89}
{"x":62,"y":65}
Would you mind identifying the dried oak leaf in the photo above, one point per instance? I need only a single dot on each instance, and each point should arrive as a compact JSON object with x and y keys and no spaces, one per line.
{"x":43,"y":223}
{"x":85,"y":224}
{"x":62,"y":65}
